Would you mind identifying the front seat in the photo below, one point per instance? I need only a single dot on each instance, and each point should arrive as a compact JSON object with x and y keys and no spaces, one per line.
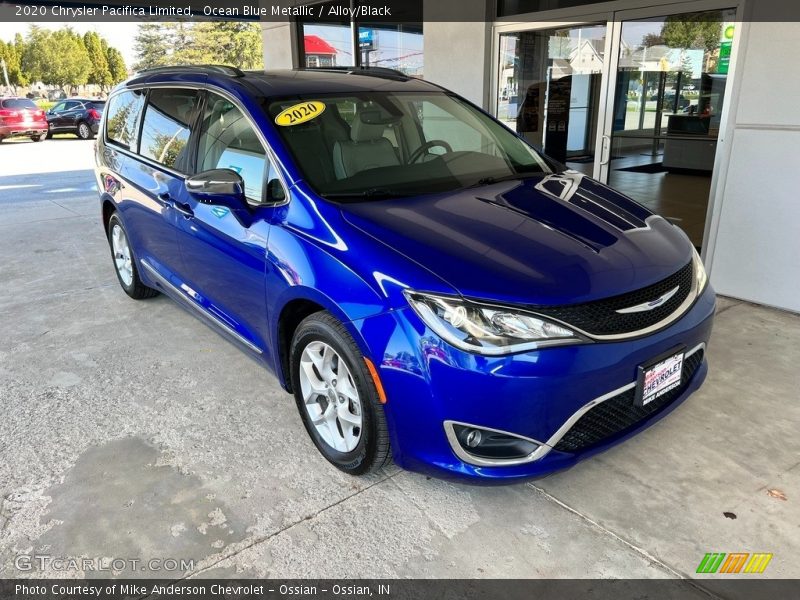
{"x":366,"y":148}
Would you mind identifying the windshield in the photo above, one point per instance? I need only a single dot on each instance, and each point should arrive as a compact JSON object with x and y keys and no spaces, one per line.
{"x":19,"y":103}
{"x":384,"y":144}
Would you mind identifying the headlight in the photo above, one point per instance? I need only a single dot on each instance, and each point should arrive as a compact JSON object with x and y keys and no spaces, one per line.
{"x":487,"y":329}
{"x":699,"y":271}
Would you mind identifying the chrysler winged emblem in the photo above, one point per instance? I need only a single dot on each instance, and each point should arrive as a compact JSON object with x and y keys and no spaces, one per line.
{"x":644,"y":306}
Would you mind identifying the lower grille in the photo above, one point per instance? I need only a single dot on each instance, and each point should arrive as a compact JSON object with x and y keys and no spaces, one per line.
{"x":619,"y":414}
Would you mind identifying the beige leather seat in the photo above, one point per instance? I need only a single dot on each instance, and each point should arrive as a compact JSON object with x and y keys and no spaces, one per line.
{"x":366,"y":148}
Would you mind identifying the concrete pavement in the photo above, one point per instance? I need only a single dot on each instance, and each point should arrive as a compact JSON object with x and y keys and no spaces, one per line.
{"x":131,"y":430}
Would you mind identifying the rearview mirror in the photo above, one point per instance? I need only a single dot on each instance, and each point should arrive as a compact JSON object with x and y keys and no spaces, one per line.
{"x":224,"y":187}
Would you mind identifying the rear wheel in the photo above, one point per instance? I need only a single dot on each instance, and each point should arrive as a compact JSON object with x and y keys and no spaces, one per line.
{"x":125,"y":263}
{"x":336,"y":396}
{"x":39,"y":138}
{"x":84,"y":131}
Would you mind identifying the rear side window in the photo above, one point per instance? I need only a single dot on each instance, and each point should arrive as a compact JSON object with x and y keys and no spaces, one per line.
{"x":18,"y":103}
{"x":167,"y":126}
{"x":123,"y":118}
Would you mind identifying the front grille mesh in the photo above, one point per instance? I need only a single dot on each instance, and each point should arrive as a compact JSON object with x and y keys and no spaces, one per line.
{"x":619,"y":414}
{"x":600,"y":317}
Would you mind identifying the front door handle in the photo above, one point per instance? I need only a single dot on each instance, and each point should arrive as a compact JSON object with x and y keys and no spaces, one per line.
{"x":166,"y":200}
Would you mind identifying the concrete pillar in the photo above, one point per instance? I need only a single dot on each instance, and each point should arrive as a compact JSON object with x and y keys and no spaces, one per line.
{"x":280,"y":47}
{"x":457,"y":54}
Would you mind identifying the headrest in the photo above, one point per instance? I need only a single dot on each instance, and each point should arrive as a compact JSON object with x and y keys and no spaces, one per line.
{"x":368,"y":126}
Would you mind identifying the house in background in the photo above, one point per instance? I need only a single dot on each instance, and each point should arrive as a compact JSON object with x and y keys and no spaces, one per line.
{"x":318,"y":52}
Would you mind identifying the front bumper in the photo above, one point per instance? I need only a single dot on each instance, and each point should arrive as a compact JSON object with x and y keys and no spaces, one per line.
{"x":536,"y":395}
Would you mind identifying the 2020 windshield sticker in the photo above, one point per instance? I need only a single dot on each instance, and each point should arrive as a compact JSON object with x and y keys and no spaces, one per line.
{"x":300,"y":113}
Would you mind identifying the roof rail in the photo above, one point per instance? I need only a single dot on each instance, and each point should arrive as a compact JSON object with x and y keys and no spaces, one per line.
{"x":226,"y":69}
{"x":362,"y":70}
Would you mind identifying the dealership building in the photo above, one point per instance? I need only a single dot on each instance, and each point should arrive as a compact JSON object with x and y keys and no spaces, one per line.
{"x":690,"y":108}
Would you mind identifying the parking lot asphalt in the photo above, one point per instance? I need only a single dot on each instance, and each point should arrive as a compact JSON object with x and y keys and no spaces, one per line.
{"x":131,"y":430}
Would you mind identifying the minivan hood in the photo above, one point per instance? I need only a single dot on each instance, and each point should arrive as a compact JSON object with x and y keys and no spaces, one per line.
{"x":555,"y":239}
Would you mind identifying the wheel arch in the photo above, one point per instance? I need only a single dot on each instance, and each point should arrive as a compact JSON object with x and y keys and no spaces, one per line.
{"x":109,"y":208}
{"x":303,"y":303}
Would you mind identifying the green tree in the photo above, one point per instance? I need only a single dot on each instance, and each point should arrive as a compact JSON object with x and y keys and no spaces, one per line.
{"x":56,"y":58}
{"x":8,"y":53}
{"x":701,"y":30}
{"x":100,"y":73}
{"x":116,"y":65}
{"x":72,"y":64}
{"x":37,"y":52}
{"x":182,"y":42}
{"x":230,"y":42}
{"x":150,"y":44}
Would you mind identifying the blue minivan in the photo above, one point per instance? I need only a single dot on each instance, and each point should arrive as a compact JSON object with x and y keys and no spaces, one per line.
{"x":426,"y":284}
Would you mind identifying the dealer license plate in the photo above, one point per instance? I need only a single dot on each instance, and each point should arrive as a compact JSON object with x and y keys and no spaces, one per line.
{"x":659,"y":377}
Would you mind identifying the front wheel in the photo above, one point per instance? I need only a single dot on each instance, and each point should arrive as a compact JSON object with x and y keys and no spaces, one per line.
{"x":84,"y":131}
{"x":124,"y":262}
{"x":337,"y":397}
{"x":39,"y":138}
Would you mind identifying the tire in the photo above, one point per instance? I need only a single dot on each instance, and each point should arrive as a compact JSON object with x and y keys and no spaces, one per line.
{"x":84,"y":131}
{"x":371,"y":450}
{"x":39,"y":138}
{"x":49,"y":133}
{"x":125,"y":262}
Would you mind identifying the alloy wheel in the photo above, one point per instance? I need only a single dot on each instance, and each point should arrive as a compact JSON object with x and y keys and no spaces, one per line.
{"x":330,"y":396}
{"x":122,"y":254}
{"x":83,"y":131}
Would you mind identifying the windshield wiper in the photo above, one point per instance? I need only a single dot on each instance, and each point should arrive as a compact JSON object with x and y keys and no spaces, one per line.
{"x":492,"y":180}
{"x":371,"y":193}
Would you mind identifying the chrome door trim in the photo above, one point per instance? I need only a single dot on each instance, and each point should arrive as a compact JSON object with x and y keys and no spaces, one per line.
{"x":200,"y":310}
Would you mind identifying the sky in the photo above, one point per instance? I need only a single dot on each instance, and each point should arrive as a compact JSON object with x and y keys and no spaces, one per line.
{"x":119,"y":35}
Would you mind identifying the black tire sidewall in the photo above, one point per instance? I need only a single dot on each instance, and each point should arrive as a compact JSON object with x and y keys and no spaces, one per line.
{"x":323,"y":327}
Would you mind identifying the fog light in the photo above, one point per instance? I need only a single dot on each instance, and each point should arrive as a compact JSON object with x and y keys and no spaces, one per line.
{"x":484,"y":446}
{"x":473,"y":438}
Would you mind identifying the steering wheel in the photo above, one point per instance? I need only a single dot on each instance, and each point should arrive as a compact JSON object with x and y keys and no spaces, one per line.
{"x":417,"y":154}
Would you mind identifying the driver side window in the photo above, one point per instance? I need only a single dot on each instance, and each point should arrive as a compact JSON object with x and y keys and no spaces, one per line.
{"x":228,"y":141}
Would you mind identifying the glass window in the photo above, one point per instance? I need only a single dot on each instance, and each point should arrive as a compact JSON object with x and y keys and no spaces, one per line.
{"x":19,"y":103}
{"x":167,"y":126}
{"x":123,"y":118}
{"x":228,"y":141}
{"x":72,"y":105}
{"x":58,"y":107}
{"x":549,"y":89}
{"x":396,"y":47}
{"x":401,"y":144}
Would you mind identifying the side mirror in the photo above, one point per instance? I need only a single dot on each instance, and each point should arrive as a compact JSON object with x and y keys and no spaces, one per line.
{"x":218,"y":186}
{"x":275,"y":193}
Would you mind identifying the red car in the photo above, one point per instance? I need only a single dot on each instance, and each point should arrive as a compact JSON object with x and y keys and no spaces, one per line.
{"x":20,"y":117}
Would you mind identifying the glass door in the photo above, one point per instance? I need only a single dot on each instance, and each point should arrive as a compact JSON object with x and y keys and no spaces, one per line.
{"x":550,"y":89}
{"x":663,"y":115}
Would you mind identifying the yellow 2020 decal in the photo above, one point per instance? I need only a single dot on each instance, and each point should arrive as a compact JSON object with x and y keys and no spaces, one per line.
{"x":300,"y":113}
